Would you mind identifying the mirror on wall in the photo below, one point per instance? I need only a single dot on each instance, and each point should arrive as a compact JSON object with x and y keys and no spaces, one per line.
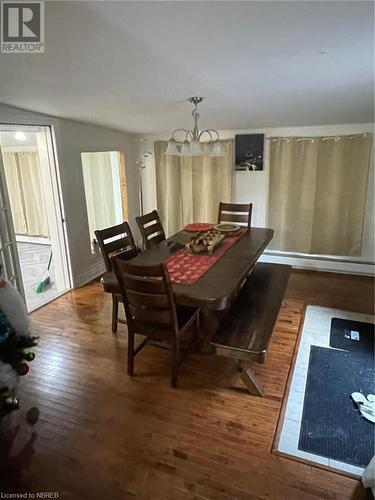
{"x":104,"y":177}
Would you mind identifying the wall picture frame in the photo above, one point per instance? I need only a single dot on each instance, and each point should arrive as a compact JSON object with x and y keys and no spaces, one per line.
{"x":249,"y":152}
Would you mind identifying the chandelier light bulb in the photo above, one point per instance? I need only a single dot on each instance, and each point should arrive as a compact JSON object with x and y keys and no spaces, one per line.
{"x":172,"y":149}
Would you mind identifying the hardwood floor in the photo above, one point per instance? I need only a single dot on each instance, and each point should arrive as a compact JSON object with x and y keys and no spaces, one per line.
{"x":103,"y":435}
{"x":340,"y":291}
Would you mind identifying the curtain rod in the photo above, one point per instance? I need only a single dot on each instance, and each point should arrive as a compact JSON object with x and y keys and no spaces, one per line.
{"x":317,"y":138}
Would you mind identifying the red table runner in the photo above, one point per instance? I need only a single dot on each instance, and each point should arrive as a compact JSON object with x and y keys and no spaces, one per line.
{"x":186,"y":268}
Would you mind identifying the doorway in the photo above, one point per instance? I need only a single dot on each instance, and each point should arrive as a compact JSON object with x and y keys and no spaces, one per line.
{"x":32,"y":195}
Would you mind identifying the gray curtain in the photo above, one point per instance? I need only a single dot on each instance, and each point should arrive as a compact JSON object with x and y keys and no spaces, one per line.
{"x":317,"y":194}
{"x":189,"y":189}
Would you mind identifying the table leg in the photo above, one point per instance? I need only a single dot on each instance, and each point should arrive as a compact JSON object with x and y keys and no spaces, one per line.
{"x":249,"y":378}
{"x":244,"y":371}
{"x":209,"y":323}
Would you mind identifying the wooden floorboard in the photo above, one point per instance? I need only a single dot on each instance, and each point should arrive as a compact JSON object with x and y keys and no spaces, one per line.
{"x":103,"y":435}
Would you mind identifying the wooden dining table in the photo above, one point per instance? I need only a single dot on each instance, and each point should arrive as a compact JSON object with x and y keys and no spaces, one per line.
{"x":216,"y":289}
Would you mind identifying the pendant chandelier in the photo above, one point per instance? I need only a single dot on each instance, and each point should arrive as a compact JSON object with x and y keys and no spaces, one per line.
{"x":192,"y":144}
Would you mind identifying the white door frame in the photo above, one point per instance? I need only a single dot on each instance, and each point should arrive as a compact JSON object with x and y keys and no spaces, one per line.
{"x":53,"y":198}
{"x":51,"y":180}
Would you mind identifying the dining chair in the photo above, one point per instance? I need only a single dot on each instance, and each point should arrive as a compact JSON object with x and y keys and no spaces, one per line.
{"x":151,"y":229}
{"x":239,"y":213}
{"x":116,"y":241}
{"x":151,"y":311}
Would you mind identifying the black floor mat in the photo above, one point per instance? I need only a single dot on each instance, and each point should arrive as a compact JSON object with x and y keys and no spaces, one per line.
{"x":352,"y":336}
{"x":331,"y":426}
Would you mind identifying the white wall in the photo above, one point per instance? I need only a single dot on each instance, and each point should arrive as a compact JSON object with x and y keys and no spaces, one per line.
{"x":72,"y":138}
{"x":253,"y":186}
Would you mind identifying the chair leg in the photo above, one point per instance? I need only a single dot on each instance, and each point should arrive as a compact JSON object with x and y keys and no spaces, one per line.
{"x":175,"y":363}
{"x":130,"y":353}
{"x":197,"y":328}
{"x":114,"y":313}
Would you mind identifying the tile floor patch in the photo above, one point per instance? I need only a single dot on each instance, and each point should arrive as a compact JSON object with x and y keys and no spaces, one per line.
{"x":316,"y":331}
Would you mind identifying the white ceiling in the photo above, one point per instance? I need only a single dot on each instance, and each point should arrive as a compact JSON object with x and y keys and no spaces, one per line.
{"x":130,"y":65}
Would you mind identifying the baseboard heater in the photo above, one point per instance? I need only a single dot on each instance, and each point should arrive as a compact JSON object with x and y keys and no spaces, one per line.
{"x":323,"y":258}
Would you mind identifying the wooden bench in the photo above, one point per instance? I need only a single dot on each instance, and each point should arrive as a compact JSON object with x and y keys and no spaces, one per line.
{"x":247,"y":328}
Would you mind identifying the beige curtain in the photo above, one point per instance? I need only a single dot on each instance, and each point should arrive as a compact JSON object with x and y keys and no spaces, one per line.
{"x":15,"y":192}
{"x":318,"y":192}
{"x":189,"y":189}
{"x":98,"y":181}
{"x":24,"y":183}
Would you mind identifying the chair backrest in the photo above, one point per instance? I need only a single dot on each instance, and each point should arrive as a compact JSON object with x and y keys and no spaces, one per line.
{"x":151,"y":229}
{"x":116,"y":241}
{"x":148,"y":298}
{"x":239,"y":213}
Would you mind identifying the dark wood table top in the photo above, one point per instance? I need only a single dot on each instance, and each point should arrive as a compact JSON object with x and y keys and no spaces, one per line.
{"x":220,"y":284}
